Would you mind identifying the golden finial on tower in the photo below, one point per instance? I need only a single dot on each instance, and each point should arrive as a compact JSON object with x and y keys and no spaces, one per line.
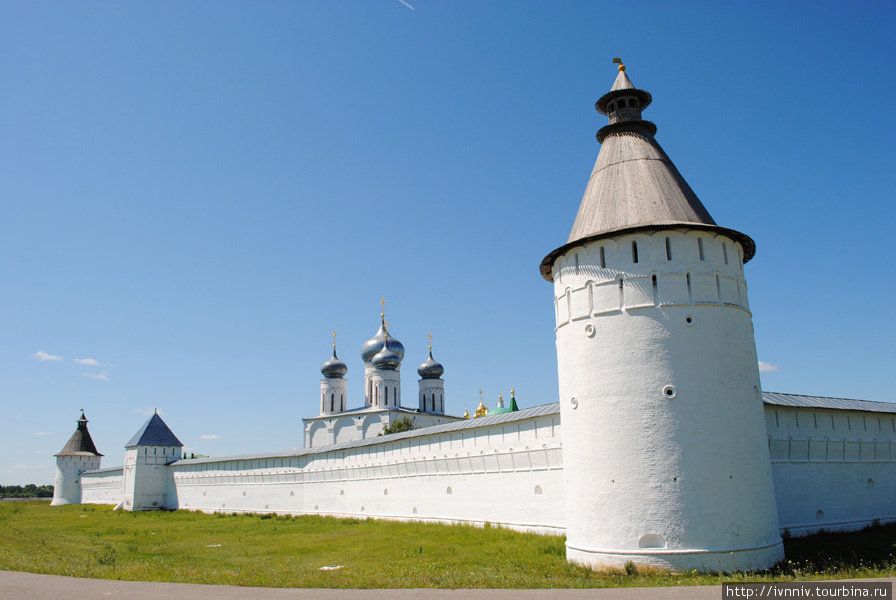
{"x":481,"y":410}
{"x":430,"y":342}
{"x":618,"y":61}
{"x":334,"y":339}
{"x":383,"y":307}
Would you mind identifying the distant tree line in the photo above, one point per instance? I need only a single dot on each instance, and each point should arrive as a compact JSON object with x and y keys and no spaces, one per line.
{"x":26,"y":491}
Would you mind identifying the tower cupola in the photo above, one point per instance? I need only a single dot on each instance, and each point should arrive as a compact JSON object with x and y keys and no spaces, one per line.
{"x":432,"y":388}
{"x":382,"y":354}
{"x":624,"y":102}
{"x":333,"y":387}
{"x":334,"y":368}
{"x":386,"y":359}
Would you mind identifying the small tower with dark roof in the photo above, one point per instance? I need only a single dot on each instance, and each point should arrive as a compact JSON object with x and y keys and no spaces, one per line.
{"x":432,"y":386}
{"x":333,"y":387}
{"x":146,"y":476}
{"x":664,"y":457}
{"x":78,"y":455}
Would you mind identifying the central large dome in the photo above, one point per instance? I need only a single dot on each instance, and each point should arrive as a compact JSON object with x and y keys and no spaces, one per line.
{"x":375,"y":344}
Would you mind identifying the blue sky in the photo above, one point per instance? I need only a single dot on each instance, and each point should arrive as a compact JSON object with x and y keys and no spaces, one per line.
{"x":194,"y":195}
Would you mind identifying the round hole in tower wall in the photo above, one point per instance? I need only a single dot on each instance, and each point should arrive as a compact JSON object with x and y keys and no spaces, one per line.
{"x":574,"y":402}
{"x":819,"y":516}
{"x":870,"y":484}
{"x":415,"y":510}
{"x":669,"y":391}
{"x":537,"y":490}
{"x":448,"y":491}
{"x":589,"y":330}
{"x":689,"y":320}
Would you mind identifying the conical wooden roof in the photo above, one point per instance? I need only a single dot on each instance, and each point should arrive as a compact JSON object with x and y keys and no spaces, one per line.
{"x":80,"y":444}
{"x":634,"y":184}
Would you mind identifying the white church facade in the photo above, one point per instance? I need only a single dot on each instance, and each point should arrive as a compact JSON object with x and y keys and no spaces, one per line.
{"x":662,"y":449}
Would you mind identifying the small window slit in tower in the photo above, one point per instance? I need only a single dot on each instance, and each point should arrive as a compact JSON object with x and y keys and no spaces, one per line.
{"x":700,"y":248}
{"x":687,"y":278}
{"x":634,"y":252}
{"x":656,"y":293}
{"x":719,"y":288}
{"x":603,"y":259}
{"x":621,"y":295}
{"x":577,"y":263}
{"x":725,"y":252}
{"x":668,"y":249}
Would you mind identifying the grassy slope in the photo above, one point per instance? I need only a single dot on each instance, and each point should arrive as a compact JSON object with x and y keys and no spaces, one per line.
{"x":93,"y":541}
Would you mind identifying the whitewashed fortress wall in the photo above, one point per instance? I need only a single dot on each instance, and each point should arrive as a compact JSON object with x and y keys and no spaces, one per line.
{"x":506,"y":470}
{"x":839,"y":462}
{"x":102,"y":486}
{"x":833,"y":469}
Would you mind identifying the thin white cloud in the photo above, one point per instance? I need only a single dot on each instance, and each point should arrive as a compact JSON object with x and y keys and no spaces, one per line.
{"x":21,"y":467}
{"x":767,"y":368}
{"x":41,"y":433}
{"x":41,"y":355}
{"x":103,"y":376}
{"x":209,"y":437}
{"x":87,"y":361}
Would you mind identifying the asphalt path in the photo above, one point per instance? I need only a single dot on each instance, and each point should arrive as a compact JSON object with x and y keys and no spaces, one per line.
{"x":30,"y":586}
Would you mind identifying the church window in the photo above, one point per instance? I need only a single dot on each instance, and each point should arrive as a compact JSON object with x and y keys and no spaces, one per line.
{"x":331,"y":403}
{"x":668,"y":249}
{"x":634,"y":252}
{"x":633,"y":103}
{"x":611,"y":107}
{"x":376,"y":395}
{"x":700,"y":248}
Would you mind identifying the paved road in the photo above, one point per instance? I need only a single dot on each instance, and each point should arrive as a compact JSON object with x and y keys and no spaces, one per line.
{"x":28,"y":586}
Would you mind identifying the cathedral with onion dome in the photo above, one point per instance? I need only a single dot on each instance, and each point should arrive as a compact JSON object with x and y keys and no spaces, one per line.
{"x":382,"y":356}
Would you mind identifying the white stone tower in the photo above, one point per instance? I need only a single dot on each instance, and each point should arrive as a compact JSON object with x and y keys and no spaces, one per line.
{"x":333,"y":387}
{"x":78,"y":455}
{"x":664,"y":450}
{"x":146,"y":475}
{"x":432,"y":388}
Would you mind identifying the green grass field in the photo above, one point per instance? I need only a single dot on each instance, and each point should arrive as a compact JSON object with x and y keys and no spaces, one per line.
{"x":264,"y":550}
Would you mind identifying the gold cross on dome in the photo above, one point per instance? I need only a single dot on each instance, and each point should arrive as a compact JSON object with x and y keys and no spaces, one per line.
{"x":430,"y":341}
{"x":334,"y":339}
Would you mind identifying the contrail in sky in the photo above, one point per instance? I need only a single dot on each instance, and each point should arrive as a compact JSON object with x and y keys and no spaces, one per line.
{"x":406,"y":4}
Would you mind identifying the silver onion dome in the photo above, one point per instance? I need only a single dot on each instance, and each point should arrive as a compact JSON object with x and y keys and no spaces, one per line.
{"x":373,"y":346}
{"x":386,"y":359}
{"x":334,"y":368}
{"x":430,"y":369}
